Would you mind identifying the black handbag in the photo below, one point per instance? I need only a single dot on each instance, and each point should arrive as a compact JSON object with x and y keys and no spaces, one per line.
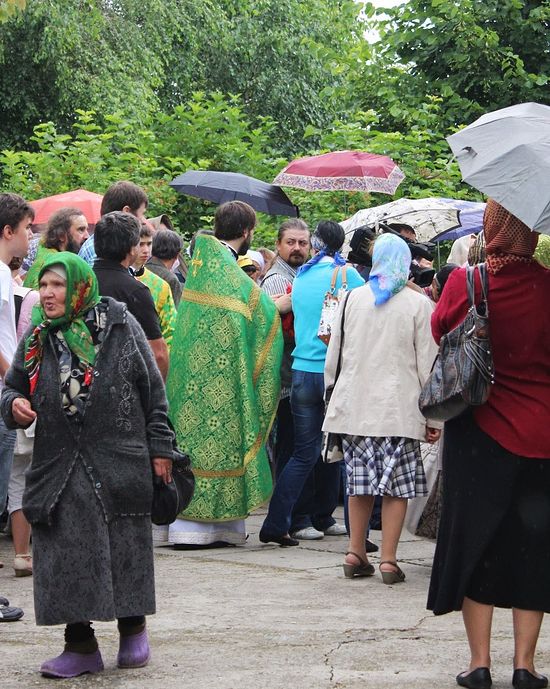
{"x":463,"y":372}
{"x":169,"y":499}
{"x":332,"y":449}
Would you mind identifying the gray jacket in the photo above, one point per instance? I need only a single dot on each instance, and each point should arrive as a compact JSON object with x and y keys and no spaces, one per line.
{"x":124,"y":427}
{"x":155,"y":265}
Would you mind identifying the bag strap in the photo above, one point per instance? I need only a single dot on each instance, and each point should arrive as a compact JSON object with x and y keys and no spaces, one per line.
{"x":333,"y":279}
{"x":345,"y":277}
{"x":484,"y":281}
{"x":18,"y":302}
{"x":342,"y":322}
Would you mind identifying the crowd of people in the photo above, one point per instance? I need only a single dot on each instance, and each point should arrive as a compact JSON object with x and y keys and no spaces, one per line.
{"x":116,"y":344}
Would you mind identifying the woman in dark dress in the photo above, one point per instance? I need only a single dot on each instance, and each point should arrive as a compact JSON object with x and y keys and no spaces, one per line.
{"x":86,"y":373}
{"x":493,"y":541}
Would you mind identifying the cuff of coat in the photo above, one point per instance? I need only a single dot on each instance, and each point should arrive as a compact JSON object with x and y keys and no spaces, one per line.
{"x":5,"y":409}
{"x":161,"y":447}
{"x":438,"y":425}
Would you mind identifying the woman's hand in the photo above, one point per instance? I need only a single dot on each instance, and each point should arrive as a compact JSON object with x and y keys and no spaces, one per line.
{"x":432,"y":435}
{"x":22,"y":413}
{"x":163,"y":468}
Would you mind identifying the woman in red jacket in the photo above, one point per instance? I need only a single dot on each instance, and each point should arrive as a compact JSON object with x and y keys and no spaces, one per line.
{"x":496,"y":461}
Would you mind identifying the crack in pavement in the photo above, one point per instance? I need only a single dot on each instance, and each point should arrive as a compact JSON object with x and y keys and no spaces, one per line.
{"x":381,"y":633}
{"x":336,"y":648}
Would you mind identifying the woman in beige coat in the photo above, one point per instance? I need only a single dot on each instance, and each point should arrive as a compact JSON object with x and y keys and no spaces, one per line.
{"x":385,"y":357}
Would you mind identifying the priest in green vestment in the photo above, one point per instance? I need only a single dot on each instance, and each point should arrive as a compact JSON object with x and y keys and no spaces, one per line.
{"x":223,"y":387}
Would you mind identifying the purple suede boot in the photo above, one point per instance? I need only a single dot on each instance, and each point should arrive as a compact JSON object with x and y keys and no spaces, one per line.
{"x":71,"y":664}
{"x":134,"y":650}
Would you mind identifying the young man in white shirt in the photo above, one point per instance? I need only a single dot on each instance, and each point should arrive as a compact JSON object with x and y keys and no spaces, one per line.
{"x":16,"y":216}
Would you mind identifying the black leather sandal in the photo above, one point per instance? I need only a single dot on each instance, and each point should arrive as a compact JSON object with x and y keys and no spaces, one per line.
{"x":392,"y":577}
{"x":363,"y":569}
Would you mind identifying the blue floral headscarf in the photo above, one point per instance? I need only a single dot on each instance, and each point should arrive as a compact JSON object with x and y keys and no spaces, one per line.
{"x":391,"y":262}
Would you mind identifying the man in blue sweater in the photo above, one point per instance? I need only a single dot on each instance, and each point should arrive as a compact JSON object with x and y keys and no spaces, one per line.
{"x":307,"y":396}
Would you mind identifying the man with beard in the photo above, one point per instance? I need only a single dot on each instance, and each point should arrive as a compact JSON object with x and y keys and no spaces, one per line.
{"x":223,"y":386}
{"x":67,"y":230}
{"x":293,"y":249}
{"x":234,"y":224}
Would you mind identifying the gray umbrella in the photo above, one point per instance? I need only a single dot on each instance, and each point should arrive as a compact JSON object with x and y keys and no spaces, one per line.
{"x":506,"y":155}
{"x":220,"y":187}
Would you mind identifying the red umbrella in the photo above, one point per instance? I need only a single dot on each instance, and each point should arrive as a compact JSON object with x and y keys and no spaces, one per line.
{"x":86,"y":201}
{"x":342,"y":171}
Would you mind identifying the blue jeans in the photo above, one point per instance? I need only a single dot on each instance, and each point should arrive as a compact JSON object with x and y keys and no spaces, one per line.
{"x":313,"y":504}
{"x":7,"y":444}
{"x":308,"y":408}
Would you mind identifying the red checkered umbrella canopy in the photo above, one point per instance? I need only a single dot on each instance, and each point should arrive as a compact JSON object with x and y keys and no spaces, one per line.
{"x":342,"y":171}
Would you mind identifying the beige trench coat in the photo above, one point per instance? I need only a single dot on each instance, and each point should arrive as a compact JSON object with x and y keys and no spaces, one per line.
{"x":387,"y":355}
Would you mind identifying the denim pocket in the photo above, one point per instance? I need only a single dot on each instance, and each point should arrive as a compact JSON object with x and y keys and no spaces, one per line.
{"x":298,"y":378}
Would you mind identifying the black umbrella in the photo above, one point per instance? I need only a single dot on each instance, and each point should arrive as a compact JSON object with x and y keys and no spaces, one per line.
{"x":232,"y":186}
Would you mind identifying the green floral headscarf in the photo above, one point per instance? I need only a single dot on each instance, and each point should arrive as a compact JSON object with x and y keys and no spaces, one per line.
{"x":82,"y":295}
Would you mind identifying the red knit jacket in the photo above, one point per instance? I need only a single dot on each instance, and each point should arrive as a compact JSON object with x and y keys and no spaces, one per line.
{"x":517,"y":414}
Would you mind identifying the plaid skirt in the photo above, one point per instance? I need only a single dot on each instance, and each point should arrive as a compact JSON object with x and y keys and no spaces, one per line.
{"x":384,"y":466}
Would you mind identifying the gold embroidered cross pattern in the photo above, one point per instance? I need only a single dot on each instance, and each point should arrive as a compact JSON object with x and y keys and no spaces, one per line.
{"x":196,"y":263}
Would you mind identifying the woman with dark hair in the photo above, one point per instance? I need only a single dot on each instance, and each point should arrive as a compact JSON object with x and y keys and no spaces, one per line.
{"x":312,"y":282}
{"x":496,"y":461}
{"x":85,"y":372}
{"x":440,"y":280}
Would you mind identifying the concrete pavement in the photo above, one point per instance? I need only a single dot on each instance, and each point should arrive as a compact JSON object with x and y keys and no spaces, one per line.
{"x":264,"y":617}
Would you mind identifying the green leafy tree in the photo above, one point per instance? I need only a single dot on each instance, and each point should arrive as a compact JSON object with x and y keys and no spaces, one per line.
{"x":421,"y":152}
{"x":283,"y":57}
{"x":207,"y":133}
{"x":475,"y":55}
{"x":57,"y":57}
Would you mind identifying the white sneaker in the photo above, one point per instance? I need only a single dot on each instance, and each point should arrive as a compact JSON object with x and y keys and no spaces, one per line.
{"x":336,"y":530}
{"x":307,"y":534}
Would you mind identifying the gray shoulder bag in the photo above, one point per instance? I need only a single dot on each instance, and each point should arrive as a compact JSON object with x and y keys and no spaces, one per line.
{"x":463,"y":372}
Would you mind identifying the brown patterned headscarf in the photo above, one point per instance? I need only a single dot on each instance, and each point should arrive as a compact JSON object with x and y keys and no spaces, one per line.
{"x":507,"y":239}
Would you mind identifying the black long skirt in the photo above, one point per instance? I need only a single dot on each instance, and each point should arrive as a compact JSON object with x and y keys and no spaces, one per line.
{"x":493,"y":544}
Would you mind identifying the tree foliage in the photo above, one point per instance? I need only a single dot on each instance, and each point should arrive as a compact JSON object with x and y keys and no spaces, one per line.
{"x":280,"y":56}
{"x":475,"y":55}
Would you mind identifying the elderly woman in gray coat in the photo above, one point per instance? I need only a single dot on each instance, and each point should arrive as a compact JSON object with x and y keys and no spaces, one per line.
{"x":86,"y":373}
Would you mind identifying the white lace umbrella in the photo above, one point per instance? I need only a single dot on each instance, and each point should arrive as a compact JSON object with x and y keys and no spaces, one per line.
{"x":428,"y":217}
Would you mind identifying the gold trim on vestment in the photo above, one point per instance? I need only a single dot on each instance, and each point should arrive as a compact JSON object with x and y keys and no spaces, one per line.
{"x":265,"y":349}
{"x":229,"y":303}
{"x":254,"y":299}
{"x":230,"y":473}
{"x":246,"y":310}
